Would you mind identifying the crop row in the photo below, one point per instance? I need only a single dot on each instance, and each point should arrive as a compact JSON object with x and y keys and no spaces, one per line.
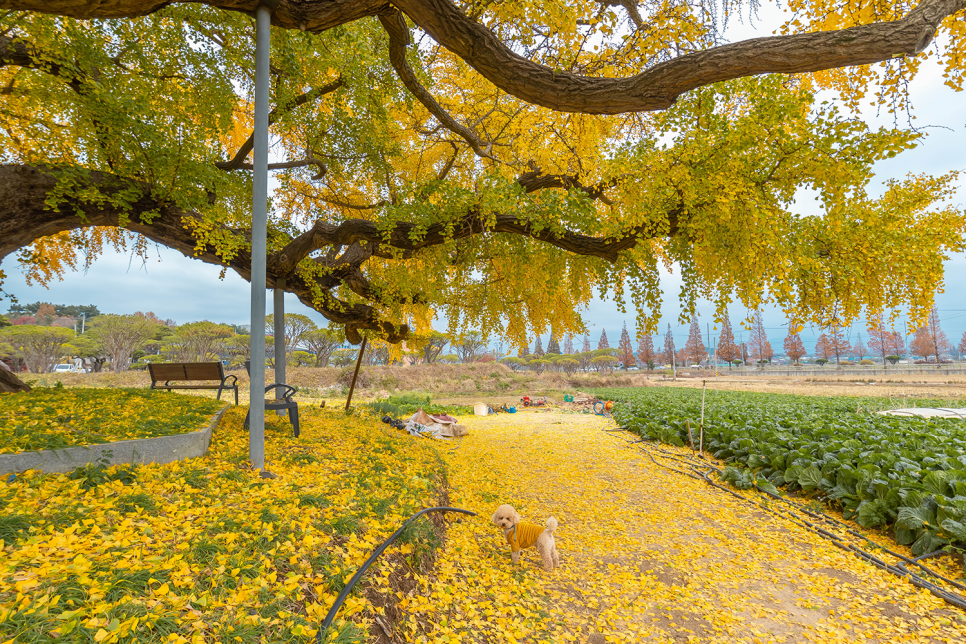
{"x":907,"y":475}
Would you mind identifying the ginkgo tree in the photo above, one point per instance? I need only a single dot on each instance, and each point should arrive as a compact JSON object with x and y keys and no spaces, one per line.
{"x":494,"y":163}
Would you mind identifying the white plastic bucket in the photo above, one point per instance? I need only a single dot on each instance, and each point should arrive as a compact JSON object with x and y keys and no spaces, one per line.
{"x":479,"y":409}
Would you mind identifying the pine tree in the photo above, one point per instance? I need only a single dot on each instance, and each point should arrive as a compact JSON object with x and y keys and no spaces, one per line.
{"x":858,"y":349}
{"x":625,"y":352}
{"x":921,"y":344}
{"x":940,"y":343}
{"x":568,"y":347}
{"x":822,"y":347}
{"x":553,"y":346}
{"x":794,"y":348}
{"x":602,"y":343}
{"x":882,"y":342}
{"x":930,"y":340}
{"x":538,"y":347}
{"x":761,"y":350}
{"x":832,"y":344}
{"x":694,"y":350}
{"x":669,"y":354}
{"x":838,"y":345}
{"x":727,"y":349}
{"x":647,"y":357}
{"x":586,"y":343}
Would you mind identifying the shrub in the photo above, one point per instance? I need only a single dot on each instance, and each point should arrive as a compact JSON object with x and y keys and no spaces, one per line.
{"x":362,"y":380}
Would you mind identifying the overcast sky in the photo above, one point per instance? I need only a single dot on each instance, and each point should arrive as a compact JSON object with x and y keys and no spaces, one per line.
{"x":185,"y":290}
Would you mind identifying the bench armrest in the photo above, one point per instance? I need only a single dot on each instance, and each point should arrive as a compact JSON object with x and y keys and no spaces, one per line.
{"x":233,"y":382}
{"x":287,"y":395}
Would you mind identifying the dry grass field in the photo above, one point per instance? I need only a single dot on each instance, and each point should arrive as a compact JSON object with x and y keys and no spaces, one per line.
{"x":900,"y":387}
{"x":446,"y":384}
{"x":496,"y":384}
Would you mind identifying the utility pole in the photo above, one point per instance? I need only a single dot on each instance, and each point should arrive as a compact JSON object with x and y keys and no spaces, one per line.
{"x":708,"y":346}
{"x":715,"y":349}
{"x":906,"y":323}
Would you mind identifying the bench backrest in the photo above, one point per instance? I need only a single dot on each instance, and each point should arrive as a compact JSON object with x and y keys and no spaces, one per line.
{"x":182,"y":371}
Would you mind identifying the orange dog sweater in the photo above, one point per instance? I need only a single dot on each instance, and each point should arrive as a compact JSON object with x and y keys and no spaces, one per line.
{"x":523,"y":535}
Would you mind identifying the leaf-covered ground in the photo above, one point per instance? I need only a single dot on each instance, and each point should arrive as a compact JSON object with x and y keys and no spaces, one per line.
{"x":54,"y":418}
{"x":203,"y":551}
{"x":647,"y":555}
{"x":206,"y":551}
{"x":905,"y":474}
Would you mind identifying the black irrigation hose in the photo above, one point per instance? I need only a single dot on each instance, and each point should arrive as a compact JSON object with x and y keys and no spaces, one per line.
{"x":828,"y":519}
{"x":930,"y":555}
{"x":840,"y":525}
{"x":371,"y":560}
{"x":899,"y":569}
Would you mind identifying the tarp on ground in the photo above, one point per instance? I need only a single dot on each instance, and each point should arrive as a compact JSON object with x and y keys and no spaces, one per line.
{"x":928,"y":412}
{"x":440,"y":426}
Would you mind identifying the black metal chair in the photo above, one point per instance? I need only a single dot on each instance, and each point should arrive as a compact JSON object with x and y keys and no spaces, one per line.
{"x":283,"y":401}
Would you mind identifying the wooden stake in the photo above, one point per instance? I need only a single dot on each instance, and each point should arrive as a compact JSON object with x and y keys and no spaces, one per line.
{"x":704,"y":387}
{"x":355,"y":374}
{"x":690,"y":435}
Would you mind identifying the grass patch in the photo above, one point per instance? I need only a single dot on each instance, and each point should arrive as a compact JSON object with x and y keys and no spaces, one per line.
{"x":408,"y":404}
{"x":313,"y":501}
{"x":14,"y":527}
{"x":135,"y":502}
{"x":57,"y":418}
{"x":142,"y":541}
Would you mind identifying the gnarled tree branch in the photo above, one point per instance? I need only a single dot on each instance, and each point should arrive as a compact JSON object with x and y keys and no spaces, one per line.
{"x":658,"y":87}
{"x":653,"y":89}
{"x":24,"y":218}
{"x":395,"y":25}
{"x":14,"y":51}
{"x":287,"y":165}
{"x":238,"y":161}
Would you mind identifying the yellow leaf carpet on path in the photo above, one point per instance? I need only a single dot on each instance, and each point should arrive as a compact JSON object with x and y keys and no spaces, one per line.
{"x":647,"y":555}
{"x":203,"y":550}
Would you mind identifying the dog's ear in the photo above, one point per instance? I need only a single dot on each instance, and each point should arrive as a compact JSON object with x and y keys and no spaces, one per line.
{"x":493,"y":518}
{"x":516,"y":517}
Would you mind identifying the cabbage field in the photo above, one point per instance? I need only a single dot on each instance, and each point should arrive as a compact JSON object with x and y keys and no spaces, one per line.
{"x":907,"y":475}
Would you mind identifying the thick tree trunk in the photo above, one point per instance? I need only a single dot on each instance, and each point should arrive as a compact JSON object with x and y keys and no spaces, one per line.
{"x":9,"y":383}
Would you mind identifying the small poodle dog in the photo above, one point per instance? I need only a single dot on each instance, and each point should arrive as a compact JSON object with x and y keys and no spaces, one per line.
{"x":520,"y":534}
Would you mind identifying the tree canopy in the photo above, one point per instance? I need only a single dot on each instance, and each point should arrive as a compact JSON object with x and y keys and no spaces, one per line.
{"x":498,"y":164}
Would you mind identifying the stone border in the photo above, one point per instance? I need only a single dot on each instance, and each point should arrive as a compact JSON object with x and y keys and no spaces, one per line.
{"x":161,"y":449}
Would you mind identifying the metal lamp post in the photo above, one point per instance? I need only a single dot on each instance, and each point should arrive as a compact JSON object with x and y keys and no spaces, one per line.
{"x":256,"y":432}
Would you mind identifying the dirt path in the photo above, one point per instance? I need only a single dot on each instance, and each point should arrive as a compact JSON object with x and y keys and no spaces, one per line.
{"x":647,"y":555}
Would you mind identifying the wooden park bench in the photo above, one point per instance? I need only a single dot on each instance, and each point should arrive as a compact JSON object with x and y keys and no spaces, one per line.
{"x":183,"y":372}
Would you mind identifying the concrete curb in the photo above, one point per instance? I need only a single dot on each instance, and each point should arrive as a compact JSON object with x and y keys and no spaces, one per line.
{"x":162,"y":449}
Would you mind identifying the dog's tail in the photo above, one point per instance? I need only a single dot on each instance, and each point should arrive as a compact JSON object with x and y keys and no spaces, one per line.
{"x":551,"y":524}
